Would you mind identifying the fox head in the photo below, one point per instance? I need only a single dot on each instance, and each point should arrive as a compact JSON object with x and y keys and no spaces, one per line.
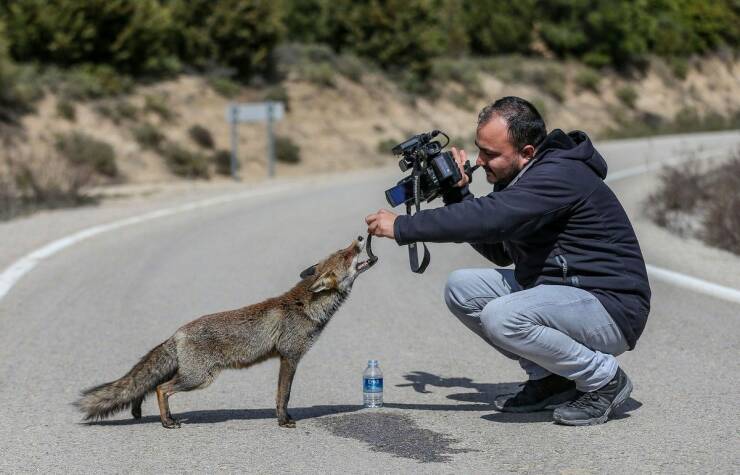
{"x":339,"y":270}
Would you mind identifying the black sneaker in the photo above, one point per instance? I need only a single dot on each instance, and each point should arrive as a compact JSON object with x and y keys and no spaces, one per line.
{"x":540,"y":394}
{"x":595,"y":407}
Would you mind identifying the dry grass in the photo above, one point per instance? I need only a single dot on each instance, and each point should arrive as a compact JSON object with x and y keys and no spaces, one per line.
{"x":31,"y":182}
{"x":691,"y":201}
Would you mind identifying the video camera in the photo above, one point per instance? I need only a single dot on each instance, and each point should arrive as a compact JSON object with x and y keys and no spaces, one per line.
{"x":434,"y":171}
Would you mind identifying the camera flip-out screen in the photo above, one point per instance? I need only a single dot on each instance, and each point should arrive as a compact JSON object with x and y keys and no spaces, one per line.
{"x":400,"y":193}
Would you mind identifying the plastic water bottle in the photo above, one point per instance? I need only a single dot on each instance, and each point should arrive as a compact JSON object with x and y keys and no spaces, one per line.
{"x":372,"y":385}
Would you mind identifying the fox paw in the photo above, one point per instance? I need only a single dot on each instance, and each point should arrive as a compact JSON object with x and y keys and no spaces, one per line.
{"x":287,"y":422}
{"x":171,"y":424}
{"x":136,"y":412}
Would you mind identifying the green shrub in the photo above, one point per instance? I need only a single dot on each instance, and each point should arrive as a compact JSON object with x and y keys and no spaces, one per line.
{"x":461,"y":101}
{"x":133,"y":37}
{"x":83,"y":150}
{"x":117,"y":110}
{"x":600,"y":33}
{"x":321,"y":74}
{"x":95,"y":81}
{"x":679,"y":67}
{"x":402,"y":37}
{"x":158,"y":105}
{"x":201,"y":136}
{"x":66,"y":110}
{"x":125,"y":110}
{"x":278,"y":93}
{"x":233,"y":33}
{"x":508,"y":68}
{"x":148,"y":136}
{"x":224,"y":86}
{"x":185,"y":163}
{"x":385,"y":146}
{"x":462,"y":71}
{"x":312,"y":63}
{"x":497,"y":27}
{"x":222,"y":160}
{"x":286,"y":150}
{"x":85,"y":82}
{"x":686,"y":120}
{"x":549,"y":77}
{"x":627,"y":95}
{"x":588,"y":80}
{"x":18,"y":89}
{"x":350,"y":66}
{"x":553,"y":83}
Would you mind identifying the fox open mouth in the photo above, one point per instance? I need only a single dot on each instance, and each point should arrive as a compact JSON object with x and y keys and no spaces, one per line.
{"x":362,"y":266}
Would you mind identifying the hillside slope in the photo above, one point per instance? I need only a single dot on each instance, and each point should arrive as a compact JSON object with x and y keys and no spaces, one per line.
{"x":342,"y":123}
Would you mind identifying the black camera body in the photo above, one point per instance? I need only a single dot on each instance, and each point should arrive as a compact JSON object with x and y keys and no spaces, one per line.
{"x":436,"y":170}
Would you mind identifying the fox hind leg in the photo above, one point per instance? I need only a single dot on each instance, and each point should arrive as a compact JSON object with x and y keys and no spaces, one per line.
{"x":178,"y":384}
{"x":136,"y":407}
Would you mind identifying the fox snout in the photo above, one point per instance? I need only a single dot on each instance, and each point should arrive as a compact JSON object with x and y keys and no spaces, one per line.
{"x":344,"y":265}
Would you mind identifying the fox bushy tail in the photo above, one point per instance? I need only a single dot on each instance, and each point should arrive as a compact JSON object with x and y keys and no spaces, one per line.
{"x":155,"y":367}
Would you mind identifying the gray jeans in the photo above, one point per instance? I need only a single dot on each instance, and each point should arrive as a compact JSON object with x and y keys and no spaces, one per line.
{"x":548,"y":329}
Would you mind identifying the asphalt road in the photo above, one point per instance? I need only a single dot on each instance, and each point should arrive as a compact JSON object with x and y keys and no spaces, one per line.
{"x":86,"y":314}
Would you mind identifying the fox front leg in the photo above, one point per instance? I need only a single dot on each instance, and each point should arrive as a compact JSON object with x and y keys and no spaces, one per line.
{"x":285,"y":380}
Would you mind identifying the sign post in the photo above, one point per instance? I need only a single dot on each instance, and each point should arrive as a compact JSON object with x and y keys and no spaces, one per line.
{"x":254,"y":112}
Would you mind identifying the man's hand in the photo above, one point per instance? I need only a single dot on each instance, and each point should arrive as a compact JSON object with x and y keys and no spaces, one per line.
{"x":460,"y":157}
{"x":381,"y":224}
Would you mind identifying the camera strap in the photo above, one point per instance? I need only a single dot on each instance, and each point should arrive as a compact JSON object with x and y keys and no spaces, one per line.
{"x":413,"y":251}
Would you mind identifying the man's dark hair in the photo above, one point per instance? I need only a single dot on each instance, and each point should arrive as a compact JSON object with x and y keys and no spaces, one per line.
{"x":525,"y":124}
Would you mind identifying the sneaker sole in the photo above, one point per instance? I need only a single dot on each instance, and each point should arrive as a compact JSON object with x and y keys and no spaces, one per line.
{"x":553,"y":402}
{"x":618,"y":401}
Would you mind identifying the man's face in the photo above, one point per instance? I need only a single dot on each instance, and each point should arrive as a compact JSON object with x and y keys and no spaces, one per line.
{"x":497,"y":156}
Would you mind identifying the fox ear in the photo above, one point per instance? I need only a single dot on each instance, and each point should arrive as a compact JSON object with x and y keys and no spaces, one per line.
{"x":326,"y":281}
{"x":308,"y":272}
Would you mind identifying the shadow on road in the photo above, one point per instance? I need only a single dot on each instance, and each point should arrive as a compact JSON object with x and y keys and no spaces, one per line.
{"x":224,"y":415}
{"x":485,"y":395}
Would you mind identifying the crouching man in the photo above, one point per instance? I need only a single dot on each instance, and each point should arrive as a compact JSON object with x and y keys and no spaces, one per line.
{"x":578,"y":295}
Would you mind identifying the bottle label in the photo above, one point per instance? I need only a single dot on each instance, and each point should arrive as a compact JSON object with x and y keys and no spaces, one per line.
{"x":373,"y":385}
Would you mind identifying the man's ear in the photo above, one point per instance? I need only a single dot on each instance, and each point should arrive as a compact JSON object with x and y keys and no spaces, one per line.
{"x":528,"y":152}
{"x":326,"y":281}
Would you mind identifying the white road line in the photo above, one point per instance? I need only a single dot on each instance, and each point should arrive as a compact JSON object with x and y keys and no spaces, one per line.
{"x":25,"y":264}
{"x":22,"y":266}
{"x":692,"y":283}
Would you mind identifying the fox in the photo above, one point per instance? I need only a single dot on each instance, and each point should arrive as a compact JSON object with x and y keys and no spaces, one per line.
{"x":283,"y":327}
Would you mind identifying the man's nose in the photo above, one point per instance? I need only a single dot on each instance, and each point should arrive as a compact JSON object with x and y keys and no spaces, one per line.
{"x":479,"y":161}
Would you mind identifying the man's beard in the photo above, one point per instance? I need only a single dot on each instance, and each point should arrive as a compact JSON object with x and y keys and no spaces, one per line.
{"x":499,"y":179}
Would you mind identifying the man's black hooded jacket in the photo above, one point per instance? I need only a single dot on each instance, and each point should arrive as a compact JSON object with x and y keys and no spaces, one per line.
{"x":559,"y":223}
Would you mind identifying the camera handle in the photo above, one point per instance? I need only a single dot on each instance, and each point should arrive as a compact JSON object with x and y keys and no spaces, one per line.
{"x":416,"y":267}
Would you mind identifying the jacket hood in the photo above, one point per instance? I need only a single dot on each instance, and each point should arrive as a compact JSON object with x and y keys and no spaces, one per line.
{"x":572,"y":146}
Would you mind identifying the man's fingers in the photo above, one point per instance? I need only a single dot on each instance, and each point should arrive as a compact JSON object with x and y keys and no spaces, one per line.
{"x":459,"y":155}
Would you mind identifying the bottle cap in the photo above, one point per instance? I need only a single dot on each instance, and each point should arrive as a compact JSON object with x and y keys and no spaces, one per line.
{"x":372,"y":362}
